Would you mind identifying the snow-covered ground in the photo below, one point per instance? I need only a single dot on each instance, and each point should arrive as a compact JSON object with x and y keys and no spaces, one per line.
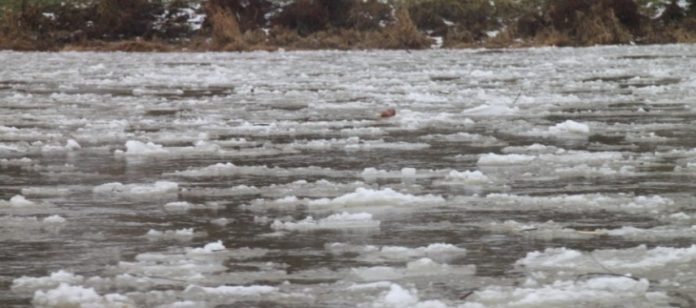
{"x":547,"y":177}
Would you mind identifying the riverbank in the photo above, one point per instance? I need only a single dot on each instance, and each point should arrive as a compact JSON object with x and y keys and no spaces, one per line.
{"x":216,"y":25}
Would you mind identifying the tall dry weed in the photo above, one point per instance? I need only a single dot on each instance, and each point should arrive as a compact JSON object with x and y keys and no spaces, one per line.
{"x":224,"y":27}
{"x":600,"y":26}
{"x":403,"y":33}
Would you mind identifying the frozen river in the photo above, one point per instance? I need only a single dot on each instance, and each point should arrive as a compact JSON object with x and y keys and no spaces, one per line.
{"x":529,"y":178}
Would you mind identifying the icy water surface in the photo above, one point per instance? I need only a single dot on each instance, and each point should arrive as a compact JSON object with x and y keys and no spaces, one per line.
{"x":528,"y":178}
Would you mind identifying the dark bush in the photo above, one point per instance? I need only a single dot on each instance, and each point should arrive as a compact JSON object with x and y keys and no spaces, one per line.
{"x":308,"y":16}
{"x":530,"y":25}
{"x":627,"y":12}
{"x":525,"y":18}
{"x":564,"y":13}
{"x":692,"y":8}
{"x":303,"y":16}
{"x":174,"y":23}
{"x":338,"y":11}
{"x":73,"y":23}
{"x":368,"y":15}
{"x":672,"y":13}
{"x":472,"y":16}
{"x":119,"y":19}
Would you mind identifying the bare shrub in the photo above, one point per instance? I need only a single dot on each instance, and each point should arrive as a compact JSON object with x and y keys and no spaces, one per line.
{"x":281,"y":36}
{"x":588,"y":22}
{"x":225,"y":29}
{"x":459,"y":37}
{"x":504,"y":38}
{"x":25,"y":28}
{"x":250,"y":14}
{"x":600,"y":26}
{"x":552,"y":37}
{"x":403,"y":33}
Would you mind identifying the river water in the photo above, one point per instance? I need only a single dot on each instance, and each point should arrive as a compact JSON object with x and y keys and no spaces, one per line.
{"x":531,"y":178}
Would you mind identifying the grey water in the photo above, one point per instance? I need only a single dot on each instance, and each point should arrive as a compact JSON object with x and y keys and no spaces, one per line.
{"x":613,"y":127}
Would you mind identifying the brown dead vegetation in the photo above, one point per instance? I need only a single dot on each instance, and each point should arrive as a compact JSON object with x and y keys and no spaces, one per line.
{"x":600,"y":25}
{"x":404,"y":34}
{"x":249,"y":14}
{"x":242,"y":25}
{"x":137,"y":45}
{"x":224,"y":26}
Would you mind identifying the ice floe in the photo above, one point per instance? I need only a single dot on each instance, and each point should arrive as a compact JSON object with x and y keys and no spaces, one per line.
{"x":20,"y":202}
{"x":422,"y":267}
{"x":639,"y":261}
{"x":597,"y":291}
{"x":360,"y":200}
{"x":157,"y":190}
{"x":340,"y":221}
{"x":374,"y":254}
{"x":77,"y":296}
{"x":372,"y":174}
{"x":572,"y":203}
{"x":181,"y":234}
{"x":141,"y":150}
{"x":364,"y":198}
{"x":467,"y":177}
{"x":229,"y":169}
{"x":397,"y":296}
{"x":569,"y":127}
{"x":356,"y":144}
{"x":26,"y":284}
{"x":179,"y":206}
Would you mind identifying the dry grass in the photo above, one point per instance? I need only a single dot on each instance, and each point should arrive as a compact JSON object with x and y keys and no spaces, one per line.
{"x":552,"y":37}
{"x":686,"y":33}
